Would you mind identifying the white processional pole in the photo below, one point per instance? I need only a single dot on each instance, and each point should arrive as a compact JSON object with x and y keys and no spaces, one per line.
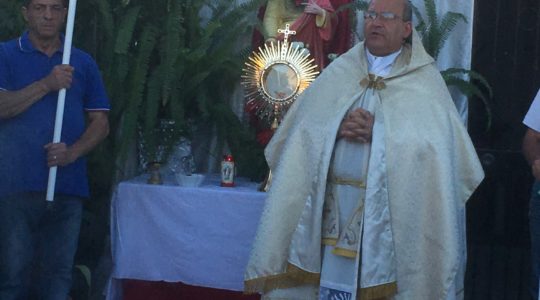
{"x":61,"y":95}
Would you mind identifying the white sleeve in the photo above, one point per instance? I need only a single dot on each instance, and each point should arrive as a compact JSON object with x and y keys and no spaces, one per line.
{"x":532,"y":118}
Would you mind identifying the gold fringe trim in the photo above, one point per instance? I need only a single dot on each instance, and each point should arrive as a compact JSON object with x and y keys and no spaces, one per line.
{"x":344,"y":181}
{"x":377,"y":292}
{"x":294,"y":276}
{"x":344,"y":252}
{"x":329,"y":241}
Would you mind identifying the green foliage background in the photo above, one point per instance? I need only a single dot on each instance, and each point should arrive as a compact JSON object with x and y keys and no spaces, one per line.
{"x":161,"y":59}
{"x":174,"y":59}
{"x":11,"y":20}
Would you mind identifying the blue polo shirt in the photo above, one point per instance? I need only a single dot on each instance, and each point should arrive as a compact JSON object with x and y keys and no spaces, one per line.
{"x":23,"y":162}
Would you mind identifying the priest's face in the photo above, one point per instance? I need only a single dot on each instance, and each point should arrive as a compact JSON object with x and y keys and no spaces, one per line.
{"x":384,"y":27}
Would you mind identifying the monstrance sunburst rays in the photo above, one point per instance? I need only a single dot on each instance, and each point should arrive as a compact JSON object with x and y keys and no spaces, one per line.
{"x":274,"y":76}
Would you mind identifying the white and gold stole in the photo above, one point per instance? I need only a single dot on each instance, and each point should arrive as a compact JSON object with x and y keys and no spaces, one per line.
{"x":358,"y":255}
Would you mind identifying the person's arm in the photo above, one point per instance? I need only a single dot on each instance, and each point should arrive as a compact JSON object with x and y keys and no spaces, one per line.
{"x":531,"y":151}
{"x":531,"y":145}
{"x":96,"y":131}
{"x":13,"y":103}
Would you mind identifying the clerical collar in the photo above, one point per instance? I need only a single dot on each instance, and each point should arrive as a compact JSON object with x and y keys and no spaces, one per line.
{"x":381,"y":65}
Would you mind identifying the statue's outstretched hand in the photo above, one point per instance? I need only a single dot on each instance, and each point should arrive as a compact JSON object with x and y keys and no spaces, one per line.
{"x":313,"y":8}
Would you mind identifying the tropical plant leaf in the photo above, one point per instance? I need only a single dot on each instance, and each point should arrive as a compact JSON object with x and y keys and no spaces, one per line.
{"x":137,"y":83}
{"x":474,"y":84}
{"x":447,"y":25}
{"x":170,"y":52}
{"x":474,"y":76}
{"x":11,"y":20}
{"x":126,"y":29}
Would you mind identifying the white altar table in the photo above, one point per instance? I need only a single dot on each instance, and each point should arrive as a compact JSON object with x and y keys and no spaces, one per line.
{"x":200,"y":236}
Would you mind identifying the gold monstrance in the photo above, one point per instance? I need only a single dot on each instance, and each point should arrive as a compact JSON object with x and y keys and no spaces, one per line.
{"x":275,"y":76}
{"x":273,"y":79}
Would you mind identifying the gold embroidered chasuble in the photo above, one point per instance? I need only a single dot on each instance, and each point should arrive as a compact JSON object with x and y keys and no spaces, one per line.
{"x":431,"y":170}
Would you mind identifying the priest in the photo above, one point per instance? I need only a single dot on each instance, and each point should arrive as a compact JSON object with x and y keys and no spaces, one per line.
{"x":372,"y":168}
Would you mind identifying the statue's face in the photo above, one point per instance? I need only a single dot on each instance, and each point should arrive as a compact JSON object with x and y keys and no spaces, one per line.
{"x":384,"y":35}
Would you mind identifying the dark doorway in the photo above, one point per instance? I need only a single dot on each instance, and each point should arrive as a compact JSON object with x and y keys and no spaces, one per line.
{"x":506,"y":50}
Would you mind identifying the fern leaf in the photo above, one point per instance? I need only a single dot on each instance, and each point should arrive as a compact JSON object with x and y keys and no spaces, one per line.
{"x":125,"y":30}
{"x":106,"y":17}
{"x":431,"y":11}
{"x":447,"y":25}
{"x":473,"y":75}
{"x":170,"y":52}
{"x":153,"y":102}
{"x":469,"y":89}
{"x":137,"y":83}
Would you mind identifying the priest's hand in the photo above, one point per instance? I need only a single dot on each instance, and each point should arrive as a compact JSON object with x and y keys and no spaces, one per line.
{"x":58,"y":154}
{"x":357,"y":126}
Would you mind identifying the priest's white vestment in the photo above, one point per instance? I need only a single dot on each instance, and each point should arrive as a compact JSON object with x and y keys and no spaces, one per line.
{"x":430,"y":170}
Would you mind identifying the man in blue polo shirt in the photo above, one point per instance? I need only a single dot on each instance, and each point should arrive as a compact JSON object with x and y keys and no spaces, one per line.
{"x":31,"y":74}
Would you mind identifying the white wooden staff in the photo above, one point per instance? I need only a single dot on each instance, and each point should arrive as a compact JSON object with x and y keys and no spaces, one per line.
{"x":61,"y":95}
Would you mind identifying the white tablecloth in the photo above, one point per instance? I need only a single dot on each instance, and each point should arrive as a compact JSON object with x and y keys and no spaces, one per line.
{"x":200,"y":236}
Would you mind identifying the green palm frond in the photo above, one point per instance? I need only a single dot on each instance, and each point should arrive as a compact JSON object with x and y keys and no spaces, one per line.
{"x":170,"y":51}
{"x":442,"y":33}
{"x":471,"y":83}
{"x":126,"y":28}
{"x":106,"y":18}
{"x":11,"y":21}
{"x":137,"y":82}
{"x":421,"y":26}
{"x":153,"y":101}
{"x":171,"y":59}
{"x":431,"y":12}
{"x":473,"y":76}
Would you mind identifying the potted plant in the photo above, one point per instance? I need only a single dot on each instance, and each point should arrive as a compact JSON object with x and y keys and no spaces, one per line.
{"x":180,"y":61}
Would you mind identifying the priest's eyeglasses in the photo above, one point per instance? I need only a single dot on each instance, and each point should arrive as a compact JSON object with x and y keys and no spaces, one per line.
{"x":384,"y":16}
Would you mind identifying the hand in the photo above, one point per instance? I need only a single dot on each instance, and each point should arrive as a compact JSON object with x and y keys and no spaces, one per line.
{"x":59,"y":78}
{"x":58,"y":154}
{"x":536,"y":169}
{"x":313,"y":8}
{"x":357,"y":126}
